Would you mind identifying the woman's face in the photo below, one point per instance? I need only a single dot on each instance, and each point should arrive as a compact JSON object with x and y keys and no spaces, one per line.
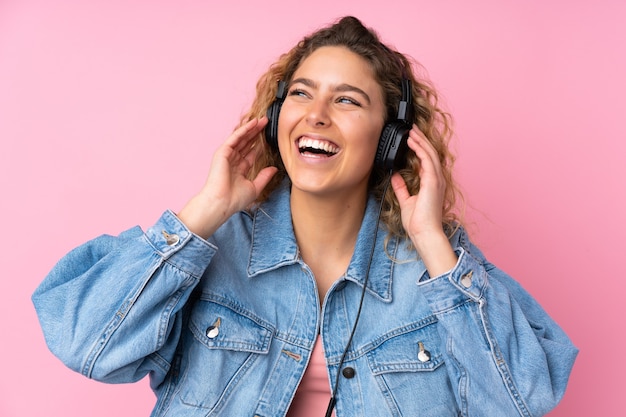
{"x":330,"y":123}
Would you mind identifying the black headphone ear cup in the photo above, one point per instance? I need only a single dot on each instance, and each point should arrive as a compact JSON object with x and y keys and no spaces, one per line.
{"x":271,"y":129}
{"x":392,"y":146}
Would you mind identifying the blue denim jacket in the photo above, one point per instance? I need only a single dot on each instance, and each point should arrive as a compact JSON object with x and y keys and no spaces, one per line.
{"x":225,"y":327}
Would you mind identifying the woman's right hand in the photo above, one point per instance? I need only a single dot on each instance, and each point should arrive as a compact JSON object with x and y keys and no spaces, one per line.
{"x":227,"y":189}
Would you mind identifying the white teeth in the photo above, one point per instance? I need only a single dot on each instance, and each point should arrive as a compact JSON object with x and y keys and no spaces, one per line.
{"x":317,"y":144}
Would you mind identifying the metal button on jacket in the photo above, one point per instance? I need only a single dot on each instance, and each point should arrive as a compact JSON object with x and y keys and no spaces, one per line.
{"x":170,"y":239}
{"x":213,"y":330}
{"x":423,"y":355}
{"x":466,"y":280}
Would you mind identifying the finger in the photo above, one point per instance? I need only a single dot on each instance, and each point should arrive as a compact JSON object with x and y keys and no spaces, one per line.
{"x":242,"y":141}
{"x":246,"y":133}
{"x":421,"y":145}
{"x":241,"y":131}
{"x":425,"y":151}
{"x":399,"y":187}
{"x":249,"y":154}
{"x":263,"y":178}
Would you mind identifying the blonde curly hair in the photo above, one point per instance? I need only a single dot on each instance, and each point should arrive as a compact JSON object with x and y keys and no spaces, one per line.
{"x":390,"y":68}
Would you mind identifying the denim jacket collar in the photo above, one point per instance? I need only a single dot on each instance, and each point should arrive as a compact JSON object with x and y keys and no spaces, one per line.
{"x":274,"y":244}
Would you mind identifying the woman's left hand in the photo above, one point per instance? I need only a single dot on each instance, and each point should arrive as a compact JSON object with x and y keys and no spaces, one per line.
{"x":422,"y":213}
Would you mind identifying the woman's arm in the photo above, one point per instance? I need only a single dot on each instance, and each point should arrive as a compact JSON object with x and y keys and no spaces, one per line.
{"x":227,"y":189}
{"x":110,"y":308}
{"x":505,"y":355}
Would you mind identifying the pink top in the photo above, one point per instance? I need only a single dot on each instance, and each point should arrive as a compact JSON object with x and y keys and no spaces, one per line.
{"x":313,"y":393}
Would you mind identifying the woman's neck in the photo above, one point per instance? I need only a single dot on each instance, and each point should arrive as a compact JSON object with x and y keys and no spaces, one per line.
{"x":326,"y":229}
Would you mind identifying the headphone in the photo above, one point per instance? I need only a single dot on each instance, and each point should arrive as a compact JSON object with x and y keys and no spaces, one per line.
{"x":392,"y":145}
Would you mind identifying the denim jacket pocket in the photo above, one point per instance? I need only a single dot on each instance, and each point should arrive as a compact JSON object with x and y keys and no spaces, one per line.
{"x":224,"y":342}
{"x":409,"y":369}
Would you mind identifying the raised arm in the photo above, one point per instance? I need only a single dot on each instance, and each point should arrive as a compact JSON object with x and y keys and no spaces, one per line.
{"x":505,"y":355}
{"x":112,"y":308}
{"x":227,"y":189}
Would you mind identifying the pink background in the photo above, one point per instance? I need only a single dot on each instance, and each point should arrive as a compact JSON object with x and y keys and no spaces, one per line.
{"x":110,"y":111}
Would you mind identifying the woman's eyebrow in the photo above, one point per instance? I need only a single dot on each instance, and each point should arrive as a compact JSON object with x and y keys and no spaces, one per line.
{"x":344,"y":87}
{"x":351,"y":88}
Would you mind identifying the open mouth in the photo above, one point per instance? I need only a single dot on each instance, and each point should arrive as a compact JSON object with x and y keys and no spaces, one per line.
{"x":316,"y":147}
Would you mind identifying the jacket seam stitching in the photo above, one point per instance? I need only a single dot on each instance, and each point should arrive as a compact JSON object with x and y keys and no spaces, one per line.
{"x":502,"y":366}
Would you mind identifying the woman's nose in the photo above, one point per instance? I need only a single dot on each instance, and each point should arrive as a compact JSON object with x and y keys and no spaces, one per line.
{"x":318,"y":114}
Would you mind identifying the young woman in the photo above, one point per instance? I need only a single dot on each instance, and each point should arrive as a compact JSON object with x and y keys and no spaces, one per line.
{"x":322,"y":260}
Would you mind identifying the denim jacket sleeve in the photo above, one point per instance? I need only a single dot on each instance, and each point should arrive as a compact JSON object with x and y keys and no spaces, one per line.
{"x":111,"y":308}
{"x":506,"y":355}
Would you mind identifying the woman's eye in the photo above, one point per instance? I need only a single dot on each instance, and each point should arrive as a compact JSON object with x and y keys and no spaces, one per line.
{"x":298,"y":92}
{"x":348,"y":100}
